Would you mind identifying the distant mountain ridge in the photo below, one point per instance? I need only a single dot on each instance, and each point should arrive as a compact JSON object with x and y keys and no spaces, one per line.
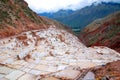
{"x":82,"y":17}
{"x":60,"y":13}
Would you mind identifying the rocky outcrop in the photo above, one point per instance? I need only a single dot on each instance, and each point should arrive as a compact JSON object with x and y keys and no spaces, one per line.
{"x":103,"y":32}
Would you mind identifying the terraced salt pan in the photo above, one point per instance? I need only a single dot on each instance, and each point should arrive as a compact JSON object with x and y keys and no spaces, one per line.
{"x":40,"y":52}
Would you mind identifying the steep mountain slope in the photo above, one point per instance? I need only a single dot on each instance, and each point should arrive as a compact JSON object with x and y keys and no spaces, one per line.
{"x":43,"y":48}
{"x":16,"y":17}
{"x":81,"y":18}
{"x":103,"y":32}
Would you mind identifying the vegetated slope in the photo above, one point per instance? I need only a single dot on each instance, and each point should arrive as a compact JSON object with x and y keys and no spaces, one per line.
{"x":103,"y":32}
{"x":16,"y":17}
{"x":82,"y":17}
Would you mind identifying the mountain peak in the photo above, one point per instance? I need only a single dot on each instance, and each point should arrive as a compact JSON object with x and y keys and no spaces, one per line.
{"x":80,"y":18}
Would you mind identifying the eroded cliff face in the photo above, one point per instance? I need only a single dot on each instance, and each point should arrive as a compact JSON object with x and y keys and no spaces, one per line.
{"x":103,"y":32}
{"x":16,"y":17}
{"x":49,"y":52}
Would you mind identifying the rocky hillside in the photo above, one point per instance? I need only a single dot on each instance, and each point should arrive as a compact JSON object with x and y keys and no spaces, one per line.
{"x":42,"y":49}
{"x":16,"y":17}
{"x":103,"y":32}
{"x":110,"y":71}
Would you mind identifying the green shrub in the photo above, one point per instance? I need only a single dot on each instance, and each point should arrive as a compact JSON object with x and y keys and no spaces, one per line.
{"x":5,"y":1}
{"x":3,"y":14}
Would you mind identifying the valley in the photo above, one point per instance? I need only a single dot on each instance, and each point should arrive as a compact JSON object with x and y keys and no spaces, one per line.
{"x":80,"y":18}
{"x":34,"y":47}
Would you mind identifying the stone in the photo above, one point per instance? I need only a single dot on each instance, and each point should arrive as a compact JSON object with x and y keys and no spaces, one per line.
{"x":89,"y":76}
{"x":14,"y":75}
{"x":44,"y":62}
{"x":50,"y":58}
{"x":41,"y":67}
{"x":44,"y":72}
{"x":61,"y":67}
{"x":26,"y":69}
{"x":15,"y":66}
{"x":73,"y":64}
{"x":3,"y":79}
{"x":27,"y":77}
{"x":4,"y":56}
{"x":50,"y":78}
{"x":1,"y":76}
{"x":52,"y":69}
{"x":19,"y":62}
{"x":35,"y":72}
{"x":67,"y":74}
{"x":5,"y":70}
{"x":31,"y":65}
{"x":9,"y":60}
{"x":86,"y":64}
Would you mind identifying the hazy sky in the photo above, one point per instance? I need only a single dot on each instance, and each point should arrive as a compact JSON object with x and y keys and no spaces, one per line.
{"x":40,"y":6}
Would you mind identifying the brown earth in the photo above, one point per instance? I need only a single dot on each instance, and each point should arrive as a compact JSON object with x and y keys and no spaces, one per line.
{"x":16,"y":17}
{"x":103,"y":32}
{"x":110,"y":71}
